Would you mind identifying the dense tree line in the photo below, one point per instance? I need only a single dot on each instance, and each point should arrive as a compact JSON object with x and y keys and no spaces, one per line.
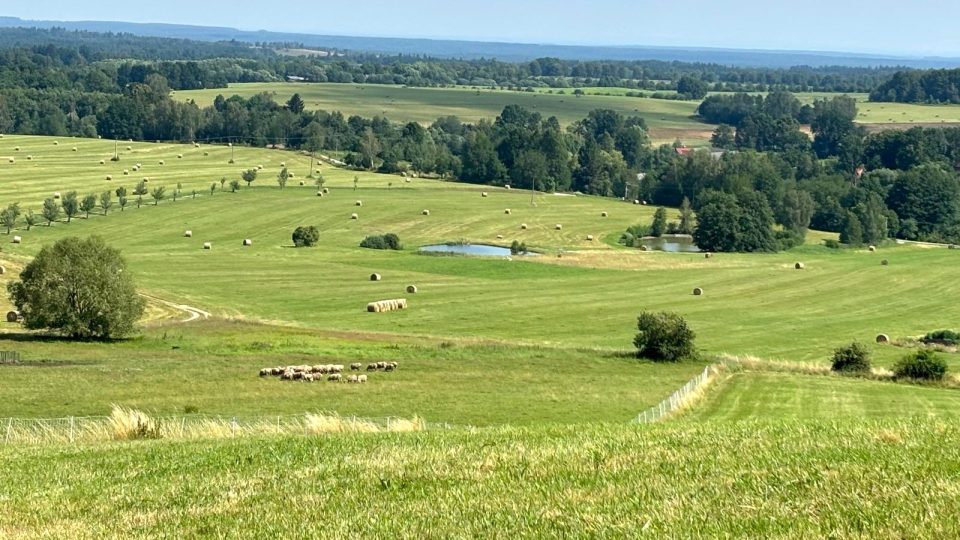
{"x":933,"y":86}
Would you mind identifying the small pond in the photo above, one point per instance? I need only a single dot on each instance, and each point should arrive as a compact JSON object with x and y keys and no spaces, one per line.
{"x":480,"y":250}
{"x":671,"y":243}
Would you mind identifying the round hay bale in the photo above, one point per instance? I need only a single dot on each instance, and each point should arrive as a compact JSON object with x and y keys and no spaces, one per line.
{"x":56,"y":143}
{"x":206,"y":153}
{"x":2,"y":270}
{"x":885,"y":263}
{"x":883,"y":338}
{"x":589,"y":238}
{"x":407,"y":180}
{"x":358,"y":203}
{"x":636,"y":201}
{"x":799,"y":266}
{"x":13,"y":316}
{"x":375,"y":277}
{"x":483,"y":194}
{"x":207,"y":245}
{"x":126,"y":172}
{"x":507,"y":211}
{"x":290,"y":175}
{"x":425,"y":212}
{"x":29,"y":158}
{"x":109,"y":177}
{"x":188,"y":234}
{"x":247,"y":242}
{"x":499,"y":237}
{"x":558,"y":227}
{"x":17,"y":239}
{"x":56,"y":194}
{"x":74,"y":148}
{"x":102,"y":162}
{"x":12,"y":160}
{"x":952,"y":246}
{"x":354,"y":216}
{"x":160,"y":162}
{"x":326,"y":190}
{"x":196,"y":145}
{"x":707,"y":255}
{"x":129,"y":148}
{"x":698,"y":292}
{"x":523,"y":226}
{"x":283,"y":163}
{"x":302,"y":183}
{"x":412,"y":289}
{"x":872,"y":248}
{"x":319,"y":194}
{"x":644,"y":248}
{"x":603,"y":214}
{"x":16,"y":149}
{"x":179,"y":156}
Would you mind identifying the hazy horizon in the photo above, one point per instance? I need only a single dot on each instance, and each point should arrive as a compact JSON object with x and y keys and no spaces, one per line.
{"x":840,"y":26}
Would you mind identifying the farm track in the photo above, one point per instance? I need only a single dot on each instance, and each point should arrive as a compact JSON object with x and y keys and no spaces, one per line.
{"x":193,"y":313}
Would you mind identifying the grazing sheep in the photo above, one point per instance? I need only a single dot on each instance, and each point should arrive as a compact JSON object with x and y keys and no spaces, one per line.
{"x":353,"y":379}
{"x":17,"y":240}
{"x":372,"y":367}
{"x":355,"y":366}
{"x":309,"y":377}
{"x":265,"y":372}
{"x":276,"y":371}
{"x":381,"y":364}
{"x":390,"y":366}
{"x":287,"y":375}
{"x":336,"y":377}
{"x":361,"y":379}
{"x":337,"y":368}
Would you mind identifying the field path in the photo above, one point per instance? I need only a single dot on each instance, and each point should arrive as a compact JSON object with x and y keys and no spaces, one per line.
{"x":193,"y":313}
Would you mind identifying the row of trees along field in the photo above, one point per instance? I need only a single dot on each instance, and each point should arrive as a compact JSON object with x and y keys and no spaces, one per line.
{"x":914,"y":86}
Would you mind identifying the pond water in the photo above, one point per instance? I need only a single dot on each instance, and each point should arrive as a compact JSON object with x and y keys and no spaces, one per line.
{"x":671,"y":243}
{"x":480,"y":250}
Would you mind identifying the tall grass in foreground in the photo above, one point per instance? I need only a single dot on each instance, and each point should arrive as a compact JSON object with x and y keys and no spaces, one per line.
{"x":125,"y":424}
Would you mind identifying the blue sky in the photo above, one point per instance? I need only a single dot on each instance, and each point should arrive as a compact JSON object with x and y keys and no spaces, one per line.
{"x":920,"y":27}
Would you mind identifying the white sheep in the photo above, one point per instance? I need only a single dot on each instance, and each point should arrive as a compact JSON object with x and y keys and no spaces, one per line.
{"x":361,"y":379}
{"x":355,"y":366}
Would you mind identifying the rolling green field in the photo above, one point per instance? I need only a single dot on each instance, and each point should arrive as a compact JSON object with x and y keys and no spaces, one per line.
{"x":779,"y":479}
{"x":667,"y":120}
{"x":528,"y":359}
{"x":770,"y":396}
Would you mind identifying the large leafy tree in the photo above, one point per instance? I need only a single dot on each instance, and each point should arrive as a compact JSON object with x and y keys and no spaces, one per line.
{"x":80,"y":288}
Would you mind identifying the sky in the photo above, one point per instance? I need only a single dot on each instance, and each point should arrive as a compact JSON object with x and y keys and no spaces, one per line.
{"x":917,"y":27}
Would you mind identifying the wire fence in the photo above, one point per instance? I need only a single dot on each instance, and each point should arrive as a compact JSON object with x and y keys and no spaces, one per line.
{"x":131,"y":424}
{"x":680,"y":398}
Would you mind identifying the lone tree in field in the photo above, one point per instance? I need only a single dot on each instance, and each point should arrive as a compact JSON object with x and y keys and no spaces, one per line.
{"x":249,"y":176}
{"x":88,"y":204}
{"x":9,"y":216}
{"x":295,"y":104}
{"x":283,"y":177}
{"x":140,"y":188}
{"x":659,"y":225}
{"x":79,"y":288}
{"x":664,"y":337}
{"x":158,"y":194}
{"x":305,"y":236}
{"x":51,"y":210}
{"x":234,"y":186}
{"x":106,"y":201}
{"x":71,"y":205}
{"x":31,"y":219}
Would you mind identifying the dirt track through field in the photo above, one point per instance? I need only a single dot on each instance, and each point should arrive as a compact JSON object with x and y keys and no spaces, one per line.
{"x":193,"y":313}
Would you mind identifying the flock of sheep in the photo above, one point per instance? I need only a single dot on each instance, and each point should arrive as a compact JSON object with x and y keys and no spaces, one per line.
{"x":330,"y":372}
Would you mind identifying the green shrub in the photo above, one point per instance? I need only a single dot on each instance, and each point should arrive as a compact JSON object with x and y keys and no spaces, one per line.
{"x":851,"y":358}
{"x":942,"y":337}
{"x":664,"y":336}
{"x":831,"y":243}
{"x":923,"y":364}
{"x":518,"y":248}
{"x":305,"y":236}
{"x":383,"y":241}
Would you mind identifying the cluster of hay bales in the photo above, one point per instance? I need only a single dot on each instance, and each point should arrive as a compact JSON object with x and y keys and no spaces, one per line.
{"x":385,"y":366}
{"x":385,"y":306}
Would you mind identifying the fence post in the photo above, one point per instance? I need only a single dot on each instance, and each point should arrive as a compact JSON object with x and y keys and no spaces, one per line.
{"x":71,"y":429}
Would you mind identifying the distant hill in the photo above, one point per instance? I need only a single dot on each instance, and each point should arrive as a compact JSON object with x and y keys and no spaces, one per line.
{"x":503,"y":51}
